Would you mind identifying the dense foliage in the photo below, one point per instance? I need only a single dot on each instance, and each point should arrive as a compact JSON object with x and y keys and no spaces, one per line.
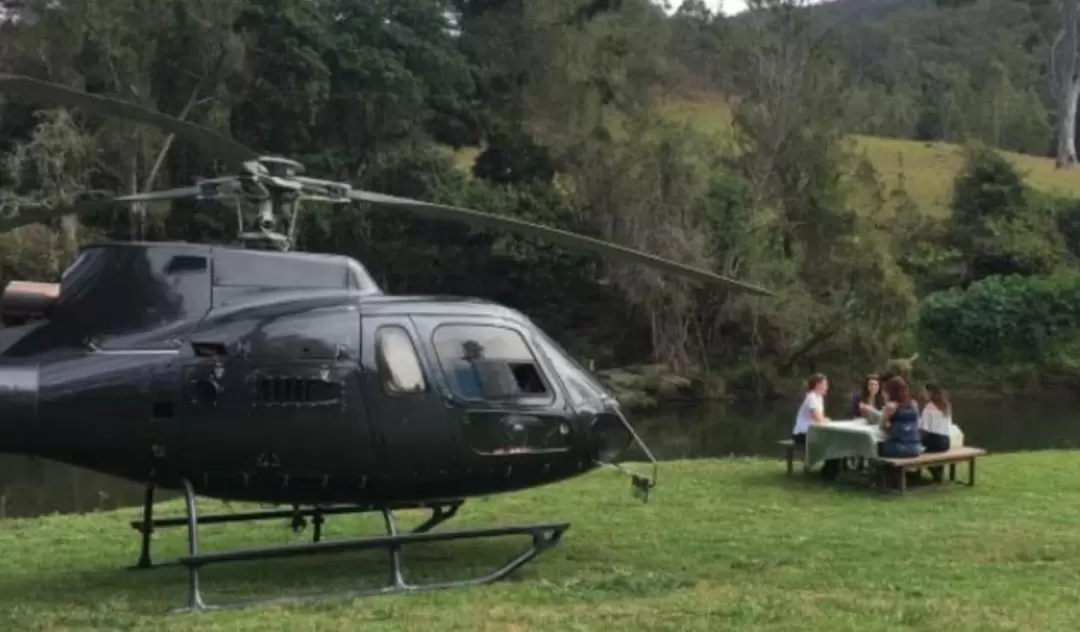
{"x":1003,"y":319}
{"x":557,"y":111}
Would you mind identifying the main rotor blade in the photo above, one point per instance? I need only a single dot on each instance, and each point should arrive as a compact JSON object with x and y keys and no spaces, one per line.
{"x":153,"y":196}
{"x":42,"y":213}
{"x":561,"y":237}
{"x":55,"y":95}
{"x":35,"y":214}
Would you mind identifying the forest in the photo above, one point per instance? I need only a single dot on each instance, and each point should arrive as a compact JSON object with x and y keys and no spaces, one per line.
{"x":759,"y":145}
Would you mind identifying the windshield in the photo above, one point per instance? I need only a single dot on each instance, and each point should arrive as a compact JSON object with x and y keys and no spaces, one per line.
{"x":583,"y":387}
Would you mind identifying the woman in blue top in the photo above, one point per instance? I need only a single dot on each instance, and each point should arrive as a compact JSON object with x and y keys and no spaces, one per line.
{"x":900,"y":419}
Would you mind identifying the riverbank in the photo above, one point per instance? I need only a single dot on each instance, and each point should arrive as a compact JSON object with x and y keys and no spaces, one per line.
{"x":722,"y":544}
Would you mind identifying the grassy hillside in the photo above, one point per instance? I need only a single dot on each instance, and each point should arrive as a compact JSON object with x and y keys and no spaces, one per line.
{"x":727,"y":544}
{"x":926,"y":169}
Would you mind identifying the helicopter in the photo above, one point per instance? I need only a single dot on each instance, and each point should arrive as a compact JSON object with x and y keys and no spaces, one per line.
{"x":253,"y":372}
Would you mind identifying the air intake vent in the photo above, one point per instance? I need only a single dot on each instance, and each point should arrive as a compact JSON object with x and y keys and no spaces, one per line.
{"x":296,"y":391}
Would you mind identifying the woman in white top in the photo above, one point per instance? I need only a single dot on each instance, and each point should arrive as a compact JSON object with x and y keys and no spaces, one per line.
{"x":935,"y":423}
{"x":812,"y":410}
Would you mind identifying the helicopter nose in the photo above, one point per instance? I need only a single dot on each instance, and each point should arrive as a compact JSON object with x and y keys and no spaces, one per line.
{"x":18,"y":406}
{"x":610,"y":437}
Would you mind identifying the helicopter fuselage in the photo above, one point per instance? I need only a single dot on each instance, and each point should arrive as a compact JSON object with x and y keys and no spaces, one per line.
{"x":292,"y":378}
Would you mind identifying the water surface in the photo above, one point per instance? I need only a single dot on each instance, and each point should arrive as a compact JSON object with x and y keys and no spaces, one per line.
{"x":31,"y":487}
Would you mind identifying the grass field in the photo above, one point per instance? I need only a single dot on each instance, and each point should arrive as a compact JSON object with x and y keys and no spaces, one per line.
{"x":722,"y":545}
{"x":926,"y":169}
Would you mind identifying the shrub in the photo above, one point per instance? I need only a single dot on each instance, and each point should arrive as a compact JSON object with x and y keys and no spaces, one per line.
{"x":1001,"y":319}
{"x":999,"y":226}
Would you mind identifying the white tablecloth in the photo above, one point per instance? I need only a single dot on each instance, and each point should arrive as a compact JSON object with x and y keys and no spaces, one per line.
{"x":852,"y":438}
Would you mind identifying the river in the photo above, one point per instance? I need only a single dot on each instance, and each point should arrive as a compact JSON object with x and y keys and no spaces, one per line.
{"x":30,"y":487}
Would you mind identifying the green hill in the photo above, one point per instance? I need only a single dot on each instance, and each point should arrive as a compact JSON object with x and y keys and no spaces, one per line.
{"x":926,"y":169}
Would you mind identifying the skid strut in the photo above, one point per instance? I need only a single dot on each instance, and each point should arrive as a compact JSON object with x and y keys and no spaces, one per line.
{"x":441,"y":511}
{"x":543,"y":536}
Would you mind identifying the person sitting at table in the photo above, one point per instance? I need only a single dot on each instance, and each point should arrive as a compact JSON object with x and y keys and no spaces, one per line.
{"x":900,"y":420}
{"x":812,"y":409}
{"x":935,"y":423}
{"x":868,"y":402}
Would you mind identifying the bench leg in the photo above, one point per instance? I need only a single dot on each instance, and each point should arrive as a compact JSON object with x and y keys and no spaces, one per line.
{"x":881,"y":477}
{"x":971,"y":472}
{"x":790,"y":461}
{"x":903,"y":481}
{"x":952,"y":472}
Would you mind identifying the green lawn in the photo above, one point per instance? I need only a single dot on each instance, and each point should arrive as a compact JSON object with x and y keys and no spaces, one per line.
{"x":722,"y":544}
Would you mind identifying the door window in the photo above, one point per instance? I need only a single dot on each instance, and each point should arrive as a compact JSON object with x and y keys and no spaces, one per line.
{"x":487,"y":362}
{"x":397,"y":362}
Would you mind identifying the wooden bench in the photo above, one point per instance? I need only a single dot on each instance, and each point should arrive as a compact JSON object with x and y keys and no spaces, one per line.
{"x":930,"y":459}
{"x":789,"y":454}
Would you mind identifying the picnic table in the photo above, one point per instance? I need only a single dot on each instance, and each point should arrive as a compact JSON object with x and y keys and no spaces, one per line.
{"x":852,"y":438}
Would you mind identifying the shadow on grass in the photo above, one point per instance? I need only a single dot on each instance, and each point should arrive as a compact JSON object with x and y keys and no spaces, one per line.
{"x":162,"y":589}
{"x":852,"y":484}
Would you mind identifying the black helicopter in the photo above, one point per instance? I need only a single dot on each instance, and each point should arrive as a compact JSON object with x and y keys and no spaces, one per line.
{"x":255,"y":373}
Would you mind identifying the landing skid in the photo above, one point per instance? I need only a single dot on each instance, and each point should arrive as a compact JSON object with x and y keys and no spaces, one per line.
{"x":441,"y":511}
{"x":544,"y":536}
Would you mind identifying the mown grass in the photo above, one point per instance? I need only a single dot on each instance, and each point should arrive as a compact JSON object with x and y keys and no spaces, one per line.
{"x":722,"y":544}
{"x":926,"y":170}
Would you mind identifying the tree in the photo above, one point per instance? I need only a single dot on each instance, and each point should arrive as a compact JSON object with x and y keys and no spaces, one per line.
{"x":790,"y":95}
{"x":167,"y":55}
{"x":1065,"y":83}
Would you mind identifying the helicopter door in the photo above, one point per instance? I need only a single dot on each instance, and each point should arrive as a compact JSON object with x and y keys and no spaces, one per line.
{"x":507,"y":404}
{"x":405,"y":408}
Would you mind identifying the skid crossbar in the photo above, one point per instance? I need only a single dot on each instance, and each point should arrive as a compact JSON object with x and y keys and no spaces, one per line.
{"x":543,"y":536}
{"x":441,"y":511}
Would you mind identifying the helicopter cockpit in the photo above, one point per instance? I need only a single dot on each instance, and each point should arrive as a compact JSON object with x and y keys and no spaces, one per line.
{"x":521,"y":393}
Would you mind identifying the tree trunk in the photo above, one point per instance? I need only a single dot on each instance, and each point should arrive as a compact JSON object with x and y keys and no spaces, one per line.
{"x":1068,"y":87}
{"x":1066,"y":154}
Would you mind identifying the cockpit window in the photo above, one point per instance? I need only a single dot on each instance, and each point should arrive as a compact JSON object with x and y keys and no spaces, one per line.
{"x":487,"y":362}
{"x":397,"y":362}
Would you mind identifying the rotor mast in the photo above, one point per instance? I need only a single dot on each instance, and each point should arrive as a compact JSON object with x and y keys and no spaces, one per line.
{"x":281,"y":201}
